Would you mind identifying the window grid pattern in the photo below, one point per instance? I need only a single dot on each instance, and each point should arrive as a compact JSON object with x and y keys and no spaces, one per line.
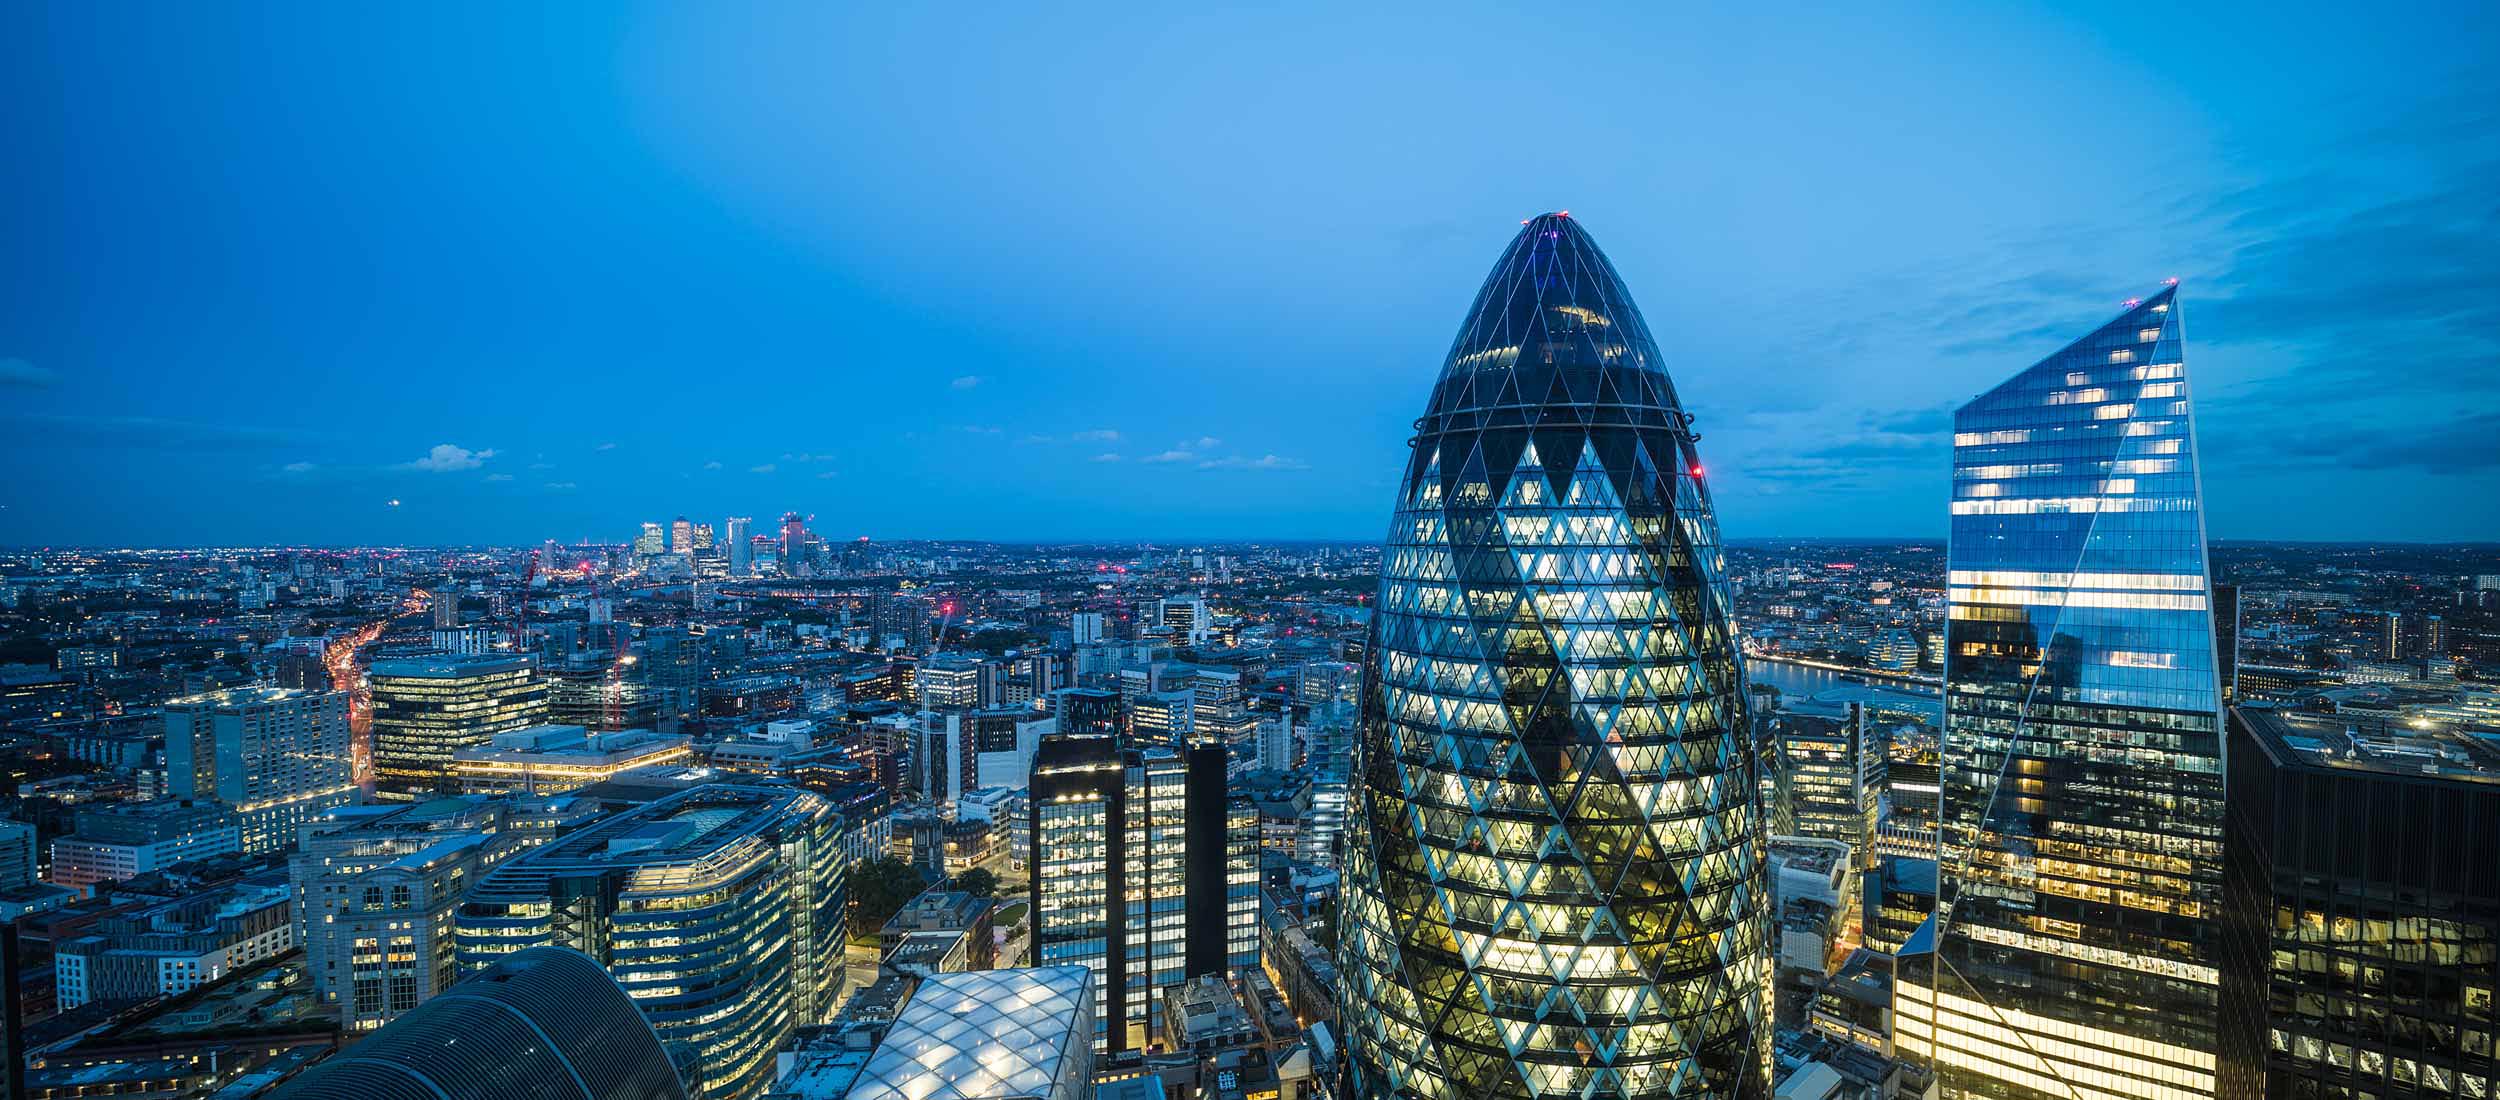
{"x":2082,"y":807}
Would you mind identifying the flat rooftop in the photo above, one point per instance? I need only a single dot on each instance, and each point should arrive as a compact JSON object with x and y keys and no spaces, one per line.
{"x":2347,"y":742}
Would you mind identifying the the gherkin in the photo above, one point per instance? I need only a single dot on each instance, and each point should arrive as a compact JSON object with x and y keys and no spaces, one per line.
{"x":1553,"y":859}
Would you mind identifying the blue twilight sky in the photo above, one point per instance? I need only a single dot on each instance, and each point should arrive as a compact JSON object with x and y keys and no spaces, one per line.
{"x":1040,"y":272}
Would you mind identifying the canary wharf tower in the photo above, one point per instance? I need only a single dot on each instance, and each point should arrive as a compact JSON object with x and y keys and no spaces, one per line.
{"x":1553,"y":858}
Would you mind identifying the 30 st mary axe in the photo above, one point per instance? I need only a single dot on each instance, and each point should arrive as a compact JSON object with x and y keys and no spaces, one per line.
{"x":1553,"y":857}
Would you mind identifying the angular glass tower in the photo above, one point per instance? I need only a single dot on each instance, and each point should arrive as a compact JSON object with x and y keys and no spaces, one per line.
{"x":1553,"y":852}
{"x":2081,"y":872}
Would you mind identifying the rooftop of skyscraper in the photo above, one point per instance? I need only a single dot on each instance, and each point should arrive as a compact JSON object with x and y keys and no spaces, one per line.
{"x":436,"y":666}
{"x":2371,"y":744}
{"x":683,"y":828}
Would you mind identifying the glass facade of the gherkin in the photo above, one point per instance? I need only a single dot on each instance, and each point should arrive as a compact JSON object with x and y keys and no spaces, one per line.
{"x":1553,"y":854}
{"x":2075,"y":946}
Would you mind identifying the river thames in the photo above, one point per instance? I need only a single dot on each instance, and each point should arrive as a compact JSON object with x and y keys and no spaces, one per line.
{"x":1797,"y":682}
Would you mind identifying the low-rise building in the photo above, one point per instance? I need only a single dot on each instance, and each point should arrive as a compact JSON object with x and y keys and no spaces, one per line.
{"x":982,"y":1035}
{"x":939,"y":909}
{"x":116,"y":842}
{"x":172,"y":947}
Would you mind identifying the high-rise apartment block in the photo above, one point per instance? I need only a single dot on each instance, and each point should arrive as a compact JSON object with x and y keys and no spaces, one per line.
{"x":1086,"y":628}
{"x":275,"y":756}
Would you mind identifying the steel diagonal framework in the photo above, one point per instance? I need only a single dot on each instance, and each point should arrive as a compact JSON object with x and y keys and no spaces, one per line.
{"x":1554,"y":858}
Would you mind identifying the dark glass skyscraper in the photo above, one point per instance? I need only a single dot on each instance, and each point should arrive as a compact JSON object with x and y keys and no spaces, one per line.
{"x":2081,"y":871}
{"x":1553,"y":855}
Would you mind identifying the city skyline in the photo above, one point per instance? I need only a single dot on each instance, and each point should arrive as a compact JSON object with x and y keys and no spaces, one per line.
{"x":580,"y":284}
{"x":788,"y":552}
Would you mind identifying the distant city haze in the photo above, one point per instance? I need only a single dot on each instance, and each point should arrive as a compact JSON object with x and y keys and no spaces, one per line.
{"x":350,"y":275}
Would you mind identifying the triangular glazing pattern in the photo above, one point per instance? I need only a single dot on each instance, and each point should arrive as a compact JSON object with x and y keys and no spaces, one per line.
{"x":1554,"y":858}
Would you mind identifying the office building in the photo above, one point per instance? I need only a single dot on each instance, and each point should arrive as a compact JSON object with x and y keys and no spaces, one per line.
{"x":1143,"y":869}
{"x":275,"y":756}
{"x":1086,"y":628}
{"x":681,"y":536}
{"x":652,"y":542}
{"x":1086,"y":712}
{"x":984,"y":1035}
{"x":1899,"y":897}
{"x":1328,"y":754}
{"x":545,"y":1023}
{"x":1276,"y":743}
{"x":1185,"y":618}
{"x":2361,"y":951}
{"x":446,"y":606}
{"x":125,"y":840}
{"x":555,"y":759}
{"x":427,"y":709}
{"x":376,"y":888}
{"x":1003,"y":744}
{"x":1835,"y":777}
{"x":949,"y":682}
{"x":794,"y":540}
{"x":741,"y":546}
{"x":2081,"y":865}
{"x":1164,"y":717}
{"x":720,"y":910}
{"x":1554,"y":879}
{"x":1221,"y":710}
{"x":19,"y":858}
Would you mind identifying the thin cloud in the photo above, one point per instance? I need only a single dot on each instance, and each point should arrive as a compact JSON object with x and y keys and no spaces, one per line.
{"x":1098,"y":435}
{"x":562,"y":485}
{"x":766,"y":468}
{"x":1169,"y":456}
{"x":499,"y":477}
{"x":1263,"y":462}
{"x":712,"y":465}
{"x":449,"y":458}
{"x":298,"y":467}
{"x":1104,"y":458}
{"x":966,"y":382}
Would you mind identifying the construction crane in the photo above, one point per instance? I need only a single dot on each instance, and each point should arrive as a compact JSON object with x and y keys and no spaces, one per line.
{"x":521,"y":611}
